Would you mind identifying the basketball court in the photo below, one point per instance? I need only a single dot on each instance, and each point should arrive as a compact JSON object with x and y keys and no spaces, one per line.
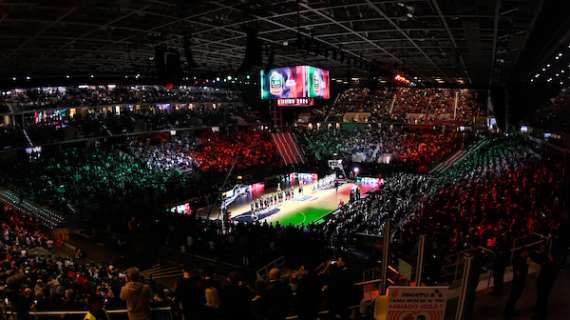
{"x":309,"y":207}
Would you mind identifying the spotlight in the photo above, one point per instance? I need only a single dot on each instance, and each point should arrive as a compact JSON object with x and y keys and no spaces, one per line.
{"x":91,"y":76}
{"x":67,"y":76}
{"x":14,"y":78}
{"x":28,"y":78}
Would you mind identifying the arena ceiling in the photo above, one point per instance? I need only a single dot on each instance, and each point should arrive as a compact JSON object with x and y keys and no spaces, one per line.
{"x":476,"y":41}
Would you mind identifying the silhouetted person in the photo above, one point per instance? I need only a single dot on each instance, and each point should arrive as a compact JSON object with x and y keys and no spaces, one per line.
{"x":190,"y":294}
{"x":96,"y":310}
{"x":499,"y":265}
{"x":544,"y":283}
{"x":341,"y":291}
{"x":308,"y":294}
{"x":21,"y":298}
{"x":235,"y":298}
{"x":520,"y":273}
{"x":275,"y":298}
{"x":211,"y":310}
{"x":137,"y":296}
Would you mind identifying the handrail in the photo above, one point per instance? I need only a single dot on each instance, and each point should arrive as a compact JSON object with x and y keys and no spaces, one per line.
{"x":264,"y":270}
{"x":82,"y":312}
{"x":324,"y":312}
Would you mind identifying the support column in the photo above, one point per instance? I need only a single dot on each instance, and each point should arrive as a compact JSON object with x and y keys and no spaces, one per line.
{"x":420,"y":260}
{"x":507,"y":103}
{"x":455,"y":105}
{"x":469,"y":282}
{"x":385,"y":257}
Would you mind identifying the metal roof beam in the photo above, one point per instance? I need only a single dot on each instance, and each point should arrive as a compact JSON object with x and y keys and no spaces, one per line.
{"x":294,"y":30}
{"x":495,"y":36}
{"x":39,"y":33}
{"x":323,"y":15}
{"x":383,"y":14}
{"x":444,"y":22}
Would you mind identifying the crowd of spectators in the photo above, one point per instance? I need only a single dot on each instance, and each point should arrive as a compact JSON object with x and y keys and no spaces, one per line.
{"x":168,"y":153}
{"x":488,"y":199}
{"x":303,"y":291}
{"x":372,"y":143}
{"x":396,"y":199}
{"x":249,"y":244}
{"x":503,"y":191}
{"x":89,"y":96}
{"x":11,"y":136}
{"x":65,"y":129}
{"x":418,"y":106}
{"x":60,"y":125}
{"x":36,"y":274}
{"x":100,"y":180}
{"x":555,"y":114}
{"x":218,"y":153}
{"x":55,"y":114}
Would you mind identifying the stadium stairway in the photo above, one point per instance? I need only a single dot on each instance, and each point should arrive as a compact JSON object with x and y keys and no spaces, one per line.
{"x":457,"y":157}
{"x":288,"y":148}
{"x":163,"y":271}
{"x":447,"y":163}
{"x":46,"y":217}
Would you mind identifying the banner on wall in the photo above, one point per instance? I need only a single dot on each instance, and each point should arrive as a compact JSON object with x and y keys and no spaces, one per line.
{"x":416,"y":303}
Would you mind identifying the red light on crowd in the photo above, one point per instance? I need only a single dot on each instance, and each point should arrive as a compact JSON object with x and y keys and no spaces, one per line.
{"x":399,"y":78}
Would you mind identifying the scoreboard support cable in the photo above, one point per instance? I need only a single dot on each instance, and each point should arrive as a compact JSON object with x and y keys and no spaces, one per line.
{"x":276,"y":115}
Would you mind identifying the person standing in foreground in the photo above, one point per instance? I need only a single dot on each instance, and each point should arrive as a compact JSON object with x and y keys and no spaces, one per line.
{"x":520,"y":273}
{"x":137,"y":295}
{"x":190,"y":293}
{"x":276,"y":296}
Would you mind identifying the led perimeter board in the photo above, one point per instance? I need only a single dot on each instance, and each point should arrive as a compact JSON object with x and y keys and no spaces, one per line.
{"x":295,"y":82}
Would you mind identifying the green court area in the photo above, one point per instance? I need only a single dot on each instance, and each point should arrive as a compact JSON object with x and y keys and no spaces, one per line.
{"x":302,"y":216}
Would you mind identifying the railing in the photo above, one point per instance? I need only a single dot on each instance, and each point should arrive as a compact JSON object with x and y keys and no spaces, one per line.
{"x":364,"y":304}
{"x":46,"y":217}
{"x":452,"y":272}
{"x":531,"y":241}
{"x":164,"y":312}
{"x":263,"y":272}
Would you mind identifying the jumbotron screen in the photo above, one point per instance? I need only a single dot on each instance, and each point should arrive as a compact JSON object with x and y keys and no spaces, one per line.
{"x":295,"y":82}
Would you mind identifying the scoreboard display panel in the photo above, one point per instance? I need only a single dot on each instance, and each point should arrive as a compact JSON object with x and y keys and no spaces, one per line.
{"x":294,"y":82}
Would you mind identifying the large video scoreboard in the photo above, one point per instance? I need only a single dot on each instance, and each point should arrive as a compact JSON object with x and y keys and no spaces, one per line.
{"x":295,"y":86}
